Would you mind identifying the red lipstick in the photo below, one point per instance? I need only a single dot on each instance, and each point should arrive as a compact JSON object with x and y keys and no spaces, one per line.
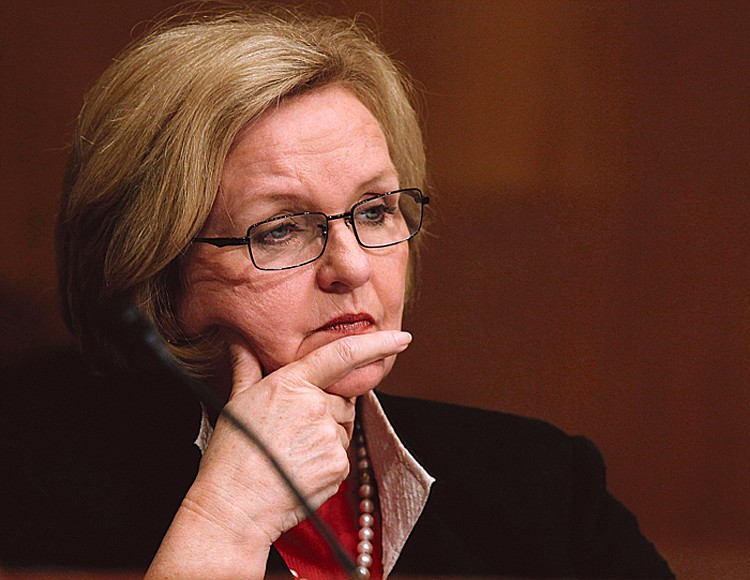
{"x":348,"y":324}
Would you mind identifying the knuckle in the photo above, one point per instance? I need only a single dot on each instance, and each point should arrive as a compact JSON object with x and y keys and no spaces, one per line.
{"x":330,"y":432}
{"x":316,"y":405}
{"x":347,"y":351}
{"x":350,"y":412}
{"x":340,"y":463}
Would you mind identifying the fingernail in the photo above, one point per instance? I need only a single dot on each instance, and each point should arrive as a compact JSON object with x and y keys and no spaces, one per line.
{"x":403,"y":338}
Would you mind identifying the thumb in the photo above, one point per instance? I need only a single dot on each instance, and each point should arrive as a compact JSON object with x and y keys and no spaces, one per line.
{"x":246,"y":368}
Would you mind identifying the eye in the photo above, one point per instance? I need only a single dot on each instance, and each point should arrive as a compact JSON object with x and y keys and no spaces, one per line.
{"x":376,"y":213}
{"x":275,"y":232}
{"x":279,"y":232}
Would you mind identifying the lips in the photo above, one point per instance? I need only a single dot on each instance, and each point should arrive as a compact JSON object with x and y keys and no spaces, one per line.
{"x":348,"y":324}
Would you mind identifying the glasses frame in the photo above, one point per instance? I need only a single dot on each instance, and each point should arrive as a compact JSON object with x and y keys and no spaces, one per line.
{"x":348,"y":217}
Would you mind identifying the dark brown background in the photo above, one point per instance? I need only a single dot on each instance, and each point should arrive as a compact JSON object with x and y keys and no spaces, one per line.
{"x":590,"y":257}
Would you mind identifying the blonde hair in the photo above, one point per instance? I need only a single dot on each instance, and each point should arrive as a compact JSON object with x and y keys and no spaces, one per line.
{"x":152,"y":137}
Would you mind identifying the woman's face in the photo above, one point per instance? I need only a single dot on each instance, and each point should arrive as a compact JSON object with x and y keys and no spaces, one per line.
{"x":322,"y":151}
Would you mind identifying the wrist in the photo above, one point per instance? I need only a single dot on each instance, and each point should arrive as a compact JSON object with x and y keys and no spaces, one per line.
{"x":204,"y":541}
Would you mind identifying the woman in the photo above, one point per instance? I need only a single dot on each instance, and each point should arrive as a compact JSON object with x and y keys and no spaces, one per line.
{"x":252,"y":183}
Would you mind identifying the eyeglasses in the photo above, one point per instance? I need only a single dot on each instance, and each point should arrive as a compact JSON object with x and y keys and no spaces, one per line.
{"x":297,"y":239}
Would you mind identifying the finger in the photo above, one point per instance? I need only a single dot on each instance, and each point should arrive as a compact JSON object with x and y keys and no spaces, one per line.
{"x":343,"y":410}
{"x":246,"y":368}
{"x":333,"y":361}
{"x":344,"y":435}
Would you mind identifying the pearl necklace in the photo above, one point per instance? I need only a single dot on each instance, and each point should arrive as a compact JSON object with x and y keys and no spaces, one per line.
{"x":366,"y":504}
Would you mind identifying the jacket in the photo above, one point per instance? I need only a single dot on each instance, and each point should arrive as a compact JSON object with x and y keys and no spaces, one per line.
{"x":95,"y":468}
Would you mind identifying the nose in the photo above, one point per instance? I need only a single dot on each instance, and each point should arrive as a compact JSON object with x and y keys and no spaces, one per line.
{"x":345,"y":264}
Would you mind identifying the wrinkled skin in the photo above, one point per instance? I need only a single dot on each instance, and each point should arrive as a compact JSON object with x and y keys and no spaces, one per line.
{"x":303,"y":343}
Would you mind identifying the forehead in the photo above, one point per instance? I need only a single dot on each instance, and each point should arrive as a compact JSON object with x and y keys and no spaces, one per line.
{"x":324,"y":138}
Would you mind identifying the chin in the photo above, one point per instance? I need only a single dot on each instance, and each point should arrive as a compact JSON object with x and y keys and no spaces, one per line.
{"x":363,"y":379}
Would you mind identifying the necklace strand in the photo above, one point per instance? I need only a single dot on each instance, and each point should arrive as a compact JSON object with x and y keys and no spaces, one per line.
{"x":366,"y":504}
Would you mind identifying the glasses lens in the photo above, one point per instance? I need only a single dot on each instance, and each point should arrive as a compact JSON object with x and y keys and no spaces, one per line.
{"x":287,"y":241}
{"x":388,"y":219}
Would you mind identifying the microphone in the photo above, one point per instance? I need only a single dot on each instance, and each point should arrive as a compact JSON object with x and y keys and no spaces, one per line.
{"x":137,"y":340}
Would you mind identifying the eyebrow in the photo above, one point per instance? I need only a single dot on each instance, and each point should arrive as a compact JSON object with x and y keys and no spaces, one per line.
{"x":385,"y":175}
{"x":260,"y":203}
{"x":259,"y":198}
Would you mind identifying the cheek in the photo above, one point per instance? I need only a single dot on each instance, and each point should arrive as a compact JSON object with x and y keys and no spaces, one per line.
{"x":390,"y":284}
{"x":266,"y":311}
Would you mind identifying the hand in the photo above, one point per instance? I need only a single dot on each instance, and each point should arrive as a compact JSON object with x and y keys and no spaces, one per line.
{"x":237,"y":498}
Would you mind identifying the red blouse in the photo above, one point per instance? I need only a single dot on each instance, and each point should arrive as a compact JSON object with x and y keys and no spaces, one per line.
{"x":305,"y":551}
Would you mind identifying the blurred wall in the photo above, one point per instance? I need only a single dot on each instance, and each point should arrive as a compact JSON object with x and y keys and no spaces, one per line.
{"x":589,"y":261}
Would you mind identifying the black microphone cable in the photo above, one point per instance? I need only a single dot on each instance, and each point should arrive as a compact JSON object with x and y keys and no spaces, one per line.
{"x":131,"y":331}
